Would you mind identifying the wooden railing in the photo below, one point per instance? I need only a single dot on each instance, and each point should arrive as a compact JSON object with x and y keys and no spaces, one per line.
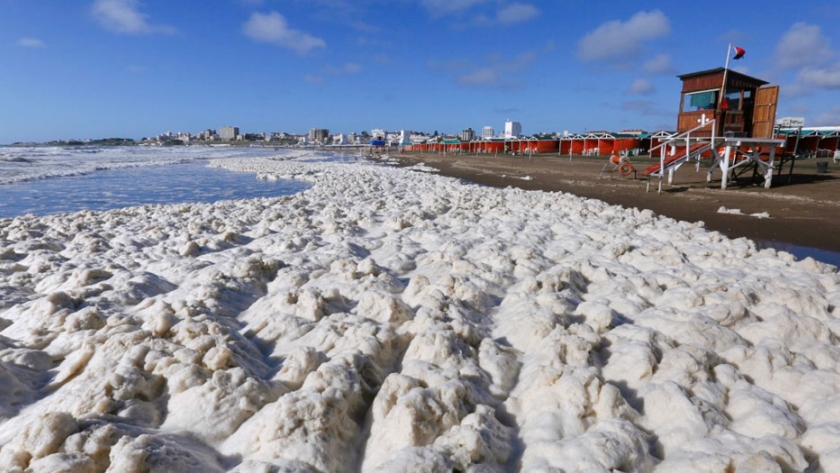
{"x":689,"y":121}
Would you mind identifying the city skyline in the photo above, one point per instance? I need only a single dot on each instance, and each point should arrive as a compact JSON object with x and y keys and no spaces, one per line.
{"x":124,"y":68}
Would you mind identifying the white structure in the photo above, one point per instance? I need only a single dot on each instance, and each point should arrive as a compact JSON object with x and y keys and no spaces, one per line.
{"x":377,"y":134}
{"x":405,"y":137}
{"x":467,"y":135}
{"x":791,"y":122}
{"x":228,"y":133}
{"x":513,"y":129}
{"x":488,"y":132}
{"x":318,"y":135}
{"x":341,"y":139}
{"x":393,"y":138}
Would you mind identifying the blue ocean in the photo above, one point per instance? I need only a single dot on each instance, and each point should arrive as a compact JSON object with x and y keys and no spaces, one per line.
{"x":42,"y":181}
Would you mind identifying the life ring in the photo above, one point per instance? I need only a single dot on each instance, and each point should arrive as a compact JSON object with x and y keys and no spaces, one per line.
{"x":625,"y":169}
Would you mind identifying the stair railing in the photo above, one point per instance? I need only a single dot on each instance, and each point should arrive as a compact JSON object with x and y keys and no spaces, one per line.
{"x":684,"y":135}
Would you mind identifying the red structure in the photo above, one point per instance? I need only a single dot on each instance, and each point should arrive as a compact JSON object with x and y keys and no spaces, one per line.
{"x":744,"y":106}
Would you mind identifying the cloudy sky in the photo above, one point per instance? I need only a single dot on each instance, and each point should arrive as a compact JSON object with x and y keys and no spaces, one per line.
{"x":132,"y":68}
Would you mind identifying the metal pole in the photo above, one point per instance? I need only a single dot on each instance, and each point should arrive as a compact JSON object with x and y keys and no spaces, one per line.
{"x":723,"y":87}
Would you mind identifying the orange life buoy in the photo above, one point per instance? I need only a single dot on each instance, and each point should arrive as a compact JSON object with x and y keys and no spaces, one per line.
{"x":625,"y":169}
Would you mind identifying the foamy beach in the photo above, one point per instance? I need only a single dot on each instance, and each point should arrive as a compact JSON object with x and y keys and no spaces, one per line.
{"x":397,"y":320}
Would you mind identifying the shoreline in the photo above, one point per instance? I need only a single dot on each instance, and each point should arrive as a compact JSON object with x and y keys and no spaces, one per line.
{"x":803,"y":212}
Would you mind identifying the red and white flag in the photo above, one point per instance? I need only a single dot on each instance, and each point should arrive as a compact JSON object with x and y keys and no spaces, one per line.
{"x":739,"y":52}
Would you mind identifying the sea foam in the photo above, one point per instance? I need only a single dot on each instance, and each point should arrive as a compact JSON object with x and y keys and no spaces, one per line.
{"x":389,"y":320}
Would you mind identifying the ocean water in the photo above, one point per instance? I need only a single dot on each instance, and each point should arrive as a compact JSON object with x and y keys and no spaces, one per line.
{"x":43,"y":181}
{"x":801,"y":252}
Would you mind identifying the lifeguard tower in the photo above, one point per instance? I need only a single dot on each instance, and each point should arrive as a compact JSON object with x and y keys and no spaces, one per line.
{"x":727,"y":115}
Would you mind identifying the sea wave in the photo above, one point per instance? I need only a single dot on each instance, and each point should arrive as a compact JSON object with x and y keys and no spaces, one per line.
{"x":33,"y":163}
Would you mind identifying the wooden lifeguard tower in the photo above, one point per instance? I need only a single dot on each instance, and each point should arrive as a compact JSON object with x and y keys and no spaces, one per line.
{"x":745,"y":107}
{"x":727,"y":115}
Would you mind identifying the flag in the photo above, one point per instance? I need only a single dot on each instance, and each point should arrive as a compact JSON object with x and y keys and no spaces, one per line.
{"x":739,"y":52}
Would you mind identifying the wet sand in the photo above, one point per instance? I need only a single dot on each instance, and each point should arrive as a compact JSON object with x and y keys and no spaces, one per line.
{"x":803,"y":206}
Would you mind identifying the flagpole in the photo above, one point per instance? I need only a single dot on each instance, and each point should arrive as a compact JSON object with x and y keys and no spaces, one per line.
{"x":721,"y":126}
{"x":725,"y":71}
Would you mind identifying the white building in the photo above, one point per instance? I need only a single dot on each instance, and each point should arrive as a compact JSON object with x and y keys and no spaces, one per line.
{"x":513,"y":129}
{"x":488,"y":132}
{"x":405,"y":137}
{"x":228,"y":133}
{"x":467,"y":135}
{"x":393,"y":138}
{"x":318,"y":135}
{"x":377,"y":134}
{"x":341,"y":139}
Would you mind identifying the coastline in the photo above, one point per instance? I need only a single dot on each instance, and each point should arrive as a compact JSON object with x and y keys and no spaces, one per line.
{"x":804,"y":212}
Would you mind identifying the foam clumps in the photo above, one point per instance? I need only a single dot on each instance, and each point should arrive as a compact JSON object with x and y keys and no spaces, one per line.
{"x":388,"y":320}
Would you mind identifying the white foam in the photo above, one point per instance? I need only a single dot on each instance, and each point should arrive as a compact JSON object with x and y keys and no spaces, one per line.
{"x":384,"y":320}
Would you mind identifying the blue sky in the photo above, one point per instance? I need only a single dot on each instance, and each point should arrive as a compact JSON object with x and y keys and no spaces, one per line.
{"x":129,"y":68}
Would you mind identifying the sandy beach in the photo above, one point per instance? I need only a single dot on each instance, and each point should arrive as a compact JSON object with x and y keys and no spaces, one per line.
{"x":392,"y":319}
{"x":803,"y":209}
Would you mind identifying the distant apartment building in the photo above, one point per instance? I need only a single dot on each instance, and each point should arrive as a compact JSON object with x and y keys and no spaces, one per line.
{"x":405,"y":137}
{"x":318,"y":135}
{"x":488,"y":132}
{"x":228,"y":133}
{"x":467,"y":135}
{"x":513,"y":129}
{"x":393,"y":138}
{"x":377,"y":134}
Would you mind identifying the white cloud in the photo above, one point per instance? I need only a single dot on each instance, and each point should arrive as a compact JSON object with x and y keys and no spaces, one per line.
{"x":349,"y":68}
{"x":659,"y":64}
{"x":443,"y":7}
{"x":484,"y":76}
{"x":617,"y":39}
{"x":828,"y":118}
{"x":823,"y":78}
{"x":272,"y":28}
{"x":802,"y":45}
{"x":500,"y":72}
{"x":641,"y":87}
{"x":123,"y":16}
{"x":31,"y":43}
{"x":516,"y":13}
{"x":313,"y":79}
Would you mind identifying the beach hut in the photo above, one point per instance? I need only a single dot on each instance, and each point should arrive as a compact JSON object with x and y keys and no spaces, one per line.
{"x":572,"y":144}
{"x":811,"y":141}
